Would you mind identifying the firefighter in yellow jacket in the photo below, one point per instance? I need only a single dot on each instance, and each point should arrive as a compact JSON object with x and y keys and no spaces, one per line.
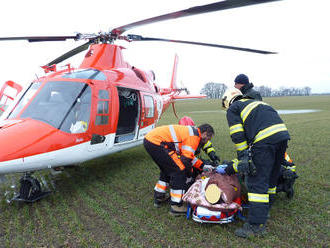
{"x":261,"y":138}
{"x":173,"y":149}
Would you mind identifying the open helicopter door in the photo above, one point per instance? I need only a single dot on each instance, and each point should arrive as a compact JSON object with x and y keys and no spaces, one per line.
{"x":129,"y":109}
{"x":148,"y":113}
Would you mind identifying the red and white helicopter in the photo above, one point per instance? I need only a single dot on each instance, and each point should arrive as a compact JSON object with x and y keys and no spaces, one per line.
{"x":104,"y":106}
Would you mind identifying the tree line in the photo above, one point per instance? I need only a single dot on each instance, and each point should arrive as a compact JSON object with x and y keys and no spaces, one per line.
{"x":216,"y":90}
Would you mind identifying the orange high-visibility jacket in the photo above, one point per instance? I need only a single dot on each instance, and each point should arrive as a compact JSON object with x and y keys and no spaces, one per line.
{"x":181,"y":142}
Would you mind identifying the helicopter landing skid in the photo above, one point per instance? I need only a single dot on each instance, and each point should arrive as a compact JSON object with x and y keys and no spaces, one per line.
{"x":30,"y":190}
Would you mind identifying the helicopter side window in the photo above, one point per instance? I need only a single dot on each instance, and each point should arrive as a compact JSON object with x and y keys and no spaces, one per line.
{"x":77,"y":120}
{"x":149,"y":106}
{"x":102,"y":117}
{"x":57,"y":104}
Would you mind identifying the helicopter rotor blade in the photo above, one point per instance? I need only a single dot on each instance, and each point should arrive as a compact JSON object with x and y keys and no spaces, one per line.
{"x":71,"y":53}
{"x":41,"y":38}
{"x":222,"y":5}
{"x":140,"y":38}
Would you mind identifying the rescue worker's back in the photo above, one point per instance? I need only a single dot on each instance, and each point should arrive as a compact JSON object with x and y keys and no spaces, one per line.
{"x":183,"y":140}
{"x":260,"y":121}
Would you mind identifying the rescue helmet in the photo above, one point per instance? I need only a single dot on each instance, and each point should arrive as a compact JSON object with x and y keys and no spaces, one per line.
{"x":229,"y":96}
{"x":186,"y":121}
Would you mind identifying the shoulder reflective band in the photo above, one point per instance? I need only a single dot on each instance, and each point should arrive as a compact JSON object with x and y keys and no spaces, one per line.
{"x":235,"y":163}
{"x":175,"y":139}
{"x":253,"y":197}
{"x":191,"y":131}
{"x":247,"y":110}
{"x":195,"y":130}
{"x":244,"y":100}
{"x":269,"y":131}
{"x":272,"y":190}
{"x":188,"y":148}
{"x":236,"y":128}
{"x":241,"y":146}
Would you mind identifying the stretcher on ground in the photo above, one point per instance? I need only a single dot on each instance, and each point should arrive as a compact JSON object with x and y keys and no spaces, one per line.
{"x":214,"y":198}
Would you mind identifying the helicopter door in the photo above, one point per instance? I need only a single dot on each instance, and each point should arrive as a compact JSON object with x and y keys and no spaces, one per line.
{"x":101,"y":123}
{"x":148,"y":112}
{"x":129,"y":108}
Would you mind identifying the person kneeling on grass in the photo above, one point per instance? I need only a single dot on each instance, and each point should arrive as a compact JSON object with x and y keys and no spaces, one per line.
{"x":173,"y":149}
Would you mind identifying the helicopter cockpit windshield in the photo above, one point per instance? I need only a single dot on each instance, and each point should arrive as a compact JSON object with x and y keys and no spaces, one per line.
{"x":64,"y":105}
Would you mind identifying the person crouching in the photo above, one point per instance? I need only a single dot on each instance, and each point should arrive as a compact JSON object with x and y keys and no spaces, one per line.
{"x":173,"y":149}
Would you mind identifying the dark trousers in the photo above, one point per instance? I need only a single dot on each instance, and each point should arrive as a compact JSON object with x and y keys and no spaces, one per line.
{"x":169,"y":171}
{"x":267,"y":159}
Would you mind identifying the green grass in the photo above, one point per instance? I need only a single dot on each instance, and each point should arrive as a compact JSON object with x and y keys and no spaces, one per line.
{"x":108,"y":202}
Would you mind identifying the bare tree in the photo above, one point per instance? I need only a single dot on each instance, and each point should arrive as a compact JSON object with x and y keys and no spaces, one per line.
{"x":213,"y":90}
{"x":216,"y":90}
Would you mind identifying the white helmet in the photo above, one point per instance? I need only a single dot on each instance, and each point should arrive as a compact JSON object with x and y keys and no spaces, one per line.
{"x":229,"y":96}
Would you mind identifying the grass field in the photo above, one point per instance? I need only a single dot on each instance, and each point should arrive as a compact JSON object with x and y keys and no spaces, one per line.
{"x":109,"y":202}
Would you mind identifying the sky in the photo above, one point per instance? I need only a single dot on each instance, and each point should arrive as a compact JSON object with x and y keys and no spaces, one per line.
{"x":296,"y":29}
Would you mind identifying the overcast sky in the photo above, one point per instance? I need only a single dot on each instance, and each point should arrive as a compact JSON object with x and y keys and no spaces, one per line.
{"x":297,"y":29}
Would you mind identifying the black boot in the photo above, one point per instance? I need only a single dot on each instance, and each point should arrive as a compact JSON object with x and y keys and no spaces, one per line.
{"x":250,"y":230}
{"x":160,"y":198}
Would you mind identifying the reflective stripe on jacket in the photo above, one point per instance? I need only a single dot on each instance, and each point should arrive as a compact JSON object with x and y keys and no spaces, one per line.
{"x":253,"y":121}
{"x":181,"y":142}
{"x":208,"y":147}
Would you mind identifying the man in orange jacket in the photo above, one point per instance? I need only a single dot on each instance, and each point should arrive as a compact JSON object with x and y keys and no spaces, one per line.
{"x":173,"y":149}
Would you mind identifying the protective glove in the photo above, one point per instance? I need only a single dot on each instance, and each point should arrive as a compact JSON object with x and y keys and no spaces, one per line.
{"x":213,"y":156}
{"x":243,"y":155}
{"x":243,"y":162}
{"x":287,"y":163}
{"x":245,"y":165}
{"x":289,"y":174}
{"x":208,"y":167}
{"x":221,"y":169}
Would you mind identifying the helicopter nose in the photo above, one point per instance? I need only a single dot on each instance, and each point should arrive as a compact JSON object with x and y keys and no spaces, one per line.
{"x":23,"y":138}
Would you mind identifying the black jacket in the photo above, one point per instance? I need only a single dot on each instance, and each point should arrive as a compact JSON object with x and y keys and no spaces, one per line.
{"x":248,"y":92}
{"x":254,"y":122}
